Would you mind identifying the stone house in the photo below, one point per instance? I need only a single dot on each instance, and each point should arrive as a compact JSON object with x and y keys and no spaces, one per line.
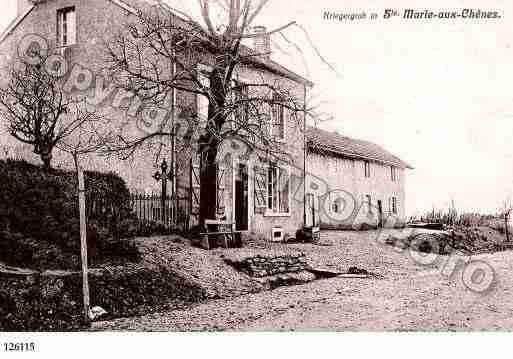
{"x":356,"y":182}
{"x":257,"y":194}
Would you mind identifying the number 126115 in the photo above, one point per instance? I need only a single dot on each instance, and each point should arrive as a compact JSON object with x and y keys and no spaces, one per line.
{"x":19,"y":347}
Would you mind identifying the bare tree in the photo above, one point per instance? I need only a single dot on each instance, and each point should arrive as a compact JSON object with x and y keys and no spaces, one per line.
{"x":34,"y":107}
{"x":85,"y":140}
{"x":160,"y":53}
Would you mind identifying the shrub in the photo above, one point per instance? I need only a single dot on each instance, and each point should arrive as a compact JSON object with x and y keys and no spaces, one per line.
{"x":18,"y":250}
{"x":39,"y":213}
{"x":107,"y":199}
{"x":133,"y":227}
{"x":45,"y":204}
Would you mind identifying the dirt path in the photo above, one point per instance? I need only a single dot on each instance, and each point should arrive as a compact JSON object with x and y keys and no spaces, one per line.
{"x":416,"y":298}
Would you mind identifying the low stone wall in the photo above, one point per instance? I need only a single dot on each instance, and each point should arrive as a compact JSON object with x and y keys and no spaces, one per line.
{"x":269,"y":265}
{"x":52,"y":301}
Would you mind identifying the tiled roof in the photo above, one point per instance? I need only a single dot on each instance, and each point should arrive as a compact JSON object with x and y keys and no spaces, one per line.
{"x":335,"y":144}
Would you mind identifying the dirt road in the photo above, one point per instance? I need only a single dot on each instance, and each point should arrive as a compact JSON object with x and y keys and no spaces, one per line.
{"x":409,"y":297}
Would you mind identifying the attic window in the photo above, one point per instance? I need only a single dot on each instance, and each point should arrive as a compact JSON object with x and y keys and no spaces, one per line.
{"x":66,"y":27}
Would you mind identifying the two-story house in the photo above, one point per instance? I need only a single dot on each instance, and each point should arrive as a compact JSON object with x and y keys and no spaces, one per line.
{"x":356,"y":182}
{"x":255,"y":194}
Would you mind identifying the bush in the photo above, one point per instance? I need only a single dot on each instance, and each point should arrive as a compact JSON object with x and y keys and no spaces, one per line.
{"x":18,"y":250}
{"x":54,"y":302}
{"x":45,"y":204}
{"x":133,"y":227}
{"x":107,"y":199}
{"x":39,"y":213}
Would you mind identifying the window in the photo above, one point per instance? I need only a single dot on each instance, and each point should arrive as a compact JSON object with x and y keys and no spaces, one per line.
{"x":241,"y":103}
{"x":277,"y":119}
{"x":393,"y":173}
{"x":368,"y":202}
{"x":66,"y":27}
{"x":367,"y":168}
{"x":278,"y":189}
{"x":394,"y":205}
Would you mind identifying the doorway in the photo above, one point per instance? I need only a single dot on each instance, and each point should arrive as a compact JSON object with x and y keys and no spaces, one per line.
{"x":241,"y":187}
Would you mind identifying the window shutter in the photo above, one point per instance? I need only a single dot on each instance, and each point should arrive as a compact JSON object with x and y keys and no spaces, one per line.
{"x":260,"y":175}
{"x":195,"y":184}
{"x":284,"y":190}
{"x":220,"y":203}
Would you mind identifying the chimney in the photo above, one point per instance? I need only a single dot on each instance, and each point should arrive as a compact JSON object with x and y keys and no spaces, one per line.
{"x":262,"y":42}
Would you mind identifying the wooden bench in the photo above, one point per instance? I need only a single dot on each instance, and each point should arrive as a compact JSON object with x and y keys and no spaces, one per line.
{"x":224,"y":229}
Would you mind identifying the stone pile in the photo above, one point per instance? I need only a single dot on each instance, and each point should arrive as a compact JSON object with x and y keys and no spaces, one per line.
{"x":262,"y":266}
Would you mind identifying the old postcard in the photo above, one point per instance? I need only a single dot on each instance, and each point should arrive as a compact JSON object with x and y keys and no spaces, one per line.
{"x":255,"y":166}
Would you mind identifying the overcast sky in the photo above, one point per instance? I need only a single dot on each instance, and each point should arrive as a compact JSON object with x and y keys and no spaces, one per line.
{"x":436,"y":93}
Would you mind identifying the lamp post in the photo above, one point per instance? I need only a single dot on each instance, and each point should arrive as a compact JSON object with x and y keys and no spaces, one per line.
{"x":163,"y":176}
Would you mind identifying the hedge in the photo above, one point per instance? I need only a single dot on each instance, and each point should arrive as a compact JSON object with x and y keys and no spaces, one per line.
{"x":41,"y":206}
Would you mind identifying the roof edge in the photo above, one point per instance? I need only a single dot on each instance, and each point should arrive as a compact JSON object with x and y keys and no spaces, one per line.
{"x":357,"y":156}
{"x":127,"y":7}
{"x":14,"y":24}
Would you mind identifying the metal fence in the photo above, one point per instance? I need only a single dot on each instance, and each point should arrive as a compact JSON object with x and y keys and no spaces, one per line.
{"x":149,"y":208}
{"x":170,"y":212}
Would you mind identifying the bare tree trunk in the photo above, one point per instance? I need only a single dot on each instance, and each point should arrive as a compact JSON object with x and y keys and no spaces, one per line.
{"x":209,"y":144}
{"x":83,"y":237}
{"x":47,"y":161}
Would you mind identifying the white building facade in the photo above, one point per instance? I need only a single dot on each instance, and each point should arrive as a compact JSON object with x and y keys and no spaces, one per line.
{"x":354,"y":184}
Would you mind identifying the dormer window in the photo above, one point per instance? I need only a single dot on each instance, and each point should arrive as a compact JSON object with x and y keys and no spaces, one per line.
{"x":66,"y":27}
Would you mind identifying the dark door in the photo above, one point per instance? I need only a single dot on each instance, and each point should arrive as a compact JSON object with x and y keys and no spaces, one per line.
{"x":380,"y":214}
{"x":241,"y":198}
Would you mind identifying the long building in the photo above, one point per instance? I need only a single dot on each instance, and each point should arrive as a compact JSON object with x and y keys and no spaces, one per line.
{"x":357,"y":182}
